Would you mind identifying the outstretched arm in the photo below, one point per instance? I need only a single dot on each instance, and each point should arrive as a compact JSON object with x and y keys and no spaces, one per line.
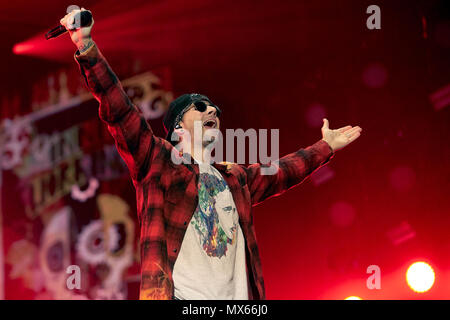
{"x":133,"y":136}
{"x":339,"y":138}
{"x":294,"y":168}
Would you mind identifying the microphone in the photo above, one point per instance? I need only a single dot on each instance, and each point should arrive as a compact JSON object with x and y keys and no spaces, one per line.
{"x":84,"y":18}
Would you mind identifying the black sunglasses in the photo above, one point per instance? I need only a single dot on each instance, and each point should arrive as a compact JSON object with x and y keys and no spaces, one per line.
{"x":199,"y":106}
{"x":202,"y":106}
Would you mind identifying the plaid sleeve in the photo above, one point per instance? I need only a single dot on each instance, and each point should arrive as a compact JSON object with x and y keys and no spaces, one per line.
{"x":292,"y":170}
{"x":133,"y":135}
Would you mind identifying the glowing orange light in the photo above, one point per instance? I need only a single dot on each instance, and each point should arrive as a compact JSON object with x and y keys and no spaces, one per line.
{"x":420,"y":276}
{"x":353,"y":298}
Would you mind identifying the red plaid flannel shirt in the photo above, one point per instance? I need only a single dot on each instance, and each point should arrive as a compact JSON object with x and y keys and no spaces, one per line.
{"x":167,"y":194}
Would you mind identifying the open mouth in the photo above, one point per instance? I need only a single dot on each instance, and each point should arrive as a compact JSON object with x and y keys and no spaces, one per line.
{"x":210,"y":124}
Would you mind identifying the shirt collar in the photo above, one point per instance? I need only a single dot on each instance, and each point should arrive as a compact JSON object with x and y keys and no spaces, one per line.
{"x":224,"y":167}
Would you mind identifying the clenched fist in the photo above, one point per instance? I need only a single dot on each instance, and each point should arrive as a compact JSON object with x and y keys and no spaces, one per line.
{"x":81,"y":37}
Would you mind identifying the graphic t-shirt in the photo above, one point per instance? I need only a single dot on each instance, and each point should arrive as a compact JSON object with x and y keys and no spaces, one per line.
{"x":211,"y":262}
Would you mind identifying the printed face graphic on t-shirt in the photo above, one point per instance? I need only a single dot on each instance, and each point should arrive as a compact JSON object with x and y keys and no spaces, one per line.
{"x":214,"y":219}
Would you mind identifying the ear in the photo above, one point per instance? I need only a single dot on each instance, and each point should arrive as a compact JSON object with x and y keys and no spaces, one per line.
{"x":179,"y":130}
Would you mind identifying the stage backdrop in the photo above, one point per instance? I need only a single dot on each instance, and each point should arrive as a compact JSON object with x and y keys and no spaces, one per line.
{"x":67,"y":202}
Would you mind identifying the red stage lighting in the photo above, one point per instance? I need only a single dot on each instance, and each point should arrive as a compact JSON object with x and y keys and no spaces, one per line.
{"x":23,"y":47}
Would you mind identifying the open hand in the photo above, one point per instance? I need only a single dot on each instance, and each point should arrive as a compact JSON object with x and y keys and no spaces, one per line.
{"x":339,"y":138}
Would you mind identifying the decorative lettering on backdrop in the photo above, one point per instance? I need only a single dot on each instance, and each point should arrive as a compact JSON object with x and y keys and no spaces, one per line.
{"x":71,"y":182}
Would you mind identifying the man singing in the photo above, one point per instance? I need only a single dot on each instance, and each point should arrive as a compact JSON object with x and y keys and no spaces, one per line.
{"x":197,"y":235}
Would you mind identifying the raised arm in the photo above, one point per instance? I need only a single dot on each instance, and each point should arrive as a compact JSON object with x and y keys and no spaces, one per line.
{"x":133,"y":136}
{"x":294,"y":168}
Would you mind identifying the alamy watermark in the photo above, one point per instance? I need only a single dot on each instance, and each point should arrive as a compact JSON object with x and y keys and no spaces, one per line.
{"x":74,"y":280}
{"x":212,"y":142}
{"x":374,"y":20}
{"x":374,"y":281}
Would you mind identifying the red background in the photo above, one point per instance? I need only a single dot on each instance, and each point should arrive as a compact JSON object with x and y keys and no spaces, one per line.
{"x":266,"y":63}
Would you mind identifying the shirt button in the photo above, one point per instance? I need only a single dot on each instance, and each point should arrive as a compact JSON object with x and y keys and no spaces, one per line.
{"x":185,"y":223}
{"x":174,"y":250}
